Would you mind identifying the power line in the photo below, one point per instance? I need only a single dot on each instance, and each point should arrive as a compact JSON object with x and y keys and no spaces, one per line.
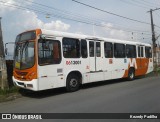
{"x":110,"y":12}
{"x":149,"y":2}
{"x":144,"y":3}
{"x":62,"y":17}
{"x":70,"y":13}
{"x":135,"y":4}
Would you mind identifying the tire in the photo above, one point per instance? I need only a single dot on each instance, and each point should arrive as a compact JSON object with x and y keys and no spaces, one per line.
{"x":131,"y":74}
{"x":72,"y":83}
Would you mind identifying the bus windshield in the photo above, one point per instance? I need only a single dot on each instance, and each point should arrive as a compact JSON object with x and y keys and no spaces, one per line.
{"x":24,"y":50}
{"x":24,"y":55}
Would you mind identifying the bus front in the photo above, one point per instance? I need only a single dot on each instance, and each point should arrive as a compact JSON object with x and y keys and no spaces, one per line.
{"x":25,"y":66}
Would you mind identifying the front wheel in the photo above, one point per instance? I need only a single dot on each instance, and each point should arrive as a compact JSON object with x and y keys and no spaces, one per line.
{"x":72,"y":83}
{"x":131,"y":74}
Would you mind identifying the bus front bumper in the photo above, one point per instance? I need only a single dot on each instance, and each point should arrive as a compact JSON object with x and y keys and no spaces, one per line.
{"x":31,"y":85}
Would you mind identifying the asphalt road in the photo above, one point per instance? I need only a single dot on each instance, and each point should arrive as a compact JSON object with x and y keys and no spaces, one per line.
{"x":116,"y":96}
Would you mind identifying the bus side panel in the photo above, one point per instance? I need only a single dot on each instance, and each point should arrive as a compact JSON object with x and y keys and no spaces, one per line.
{"x":150,"y":66}
{"x":108,"y":68}
{"x":142,"y":66}
{"x":50,"y":76}
{"x":76,"y":64}
{"x":119,"y":67}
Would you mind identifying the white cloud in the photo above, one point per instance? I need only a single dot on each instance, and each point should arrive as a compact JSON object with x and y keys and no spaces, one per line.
{"x":58,"y":25}
{"x":112,"y":32}
{"x":15,"y":21}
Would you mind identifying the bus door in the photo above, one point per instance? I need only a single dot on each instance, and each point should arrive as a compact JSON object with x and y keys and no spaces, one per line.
{"x":96,"y":61}
{"x":140,"y":60}
{"x":50,"y":68}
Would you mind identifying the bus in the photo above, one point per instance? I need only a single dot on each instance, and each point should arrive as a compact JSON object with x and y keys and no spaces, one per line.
{"x":46,"y":59}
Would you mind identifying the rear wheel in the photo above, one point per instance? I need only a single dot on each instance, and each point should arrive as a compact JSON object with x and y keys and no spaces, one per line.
{"x":131,"y":74}
{"x":72,"y":83}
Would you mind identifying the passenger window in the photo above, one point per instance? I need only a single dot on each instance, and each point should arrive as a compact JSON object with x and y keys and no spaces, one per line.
{"x":84,"y":49}
{"x":119,"y":50}
{"x":91,"y":49}
{"x":148,"y":52}
{"x":98,"y":49}
{"x":131,"y":51}
{"x":108,"y":50}
{"x":142,"y":52}
{"x":139,"y":52}
{"x":49,"y":52}
{"x":71,"y":48}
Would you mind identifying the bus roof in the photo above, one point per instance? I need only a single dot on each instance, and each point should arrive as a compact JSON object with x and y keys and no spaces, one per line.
{"x":81,"y":36}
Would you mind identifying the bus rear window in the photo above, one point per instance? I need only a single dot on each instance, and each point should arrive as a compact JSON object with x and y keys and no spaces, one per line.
{"x":148,"y":52}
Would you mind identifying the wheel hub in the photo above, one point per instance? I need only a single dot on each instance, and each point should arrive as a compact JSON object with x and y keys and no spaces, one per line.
{"x":73,"y":83}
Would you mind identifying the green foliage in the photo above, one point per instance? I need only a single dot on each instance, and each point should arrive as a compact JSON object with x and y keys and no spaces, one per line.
{"x":9,"y":94}
{"x":8,"y":91}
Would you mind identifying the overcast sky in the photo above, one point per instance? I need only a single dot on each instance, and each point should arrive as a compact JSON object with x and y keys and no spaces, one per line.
{"x":66,"y":15}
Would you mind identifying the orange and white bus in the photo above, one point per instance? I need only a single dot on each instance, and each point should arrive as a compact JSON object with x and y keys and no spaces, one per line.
{"x":46,"y":59}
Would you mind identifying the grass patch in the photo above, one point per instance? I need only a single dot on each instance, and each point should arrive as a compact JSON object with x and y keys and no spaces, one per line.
{"x":9,"y":94}
{"x":153,"y":73}
{"x":150,"y":74}
{"x":158,"y":70}
{"x":8,"y":91}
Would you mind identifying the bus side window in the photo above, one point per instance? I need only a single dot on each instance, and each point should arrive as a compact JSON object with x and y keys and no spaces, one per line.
{"x":98,"y":49}
{"x":119,"y":50}
{"x":91,"y":49}
{"x":131,"y":51}
{"x":148,"y":52}
{"x":139,"y":54}
{"x":56,"y":52}
{"x":84,"y":53}
{"x":142,"y":52}
{"x":71,"y":48}
{"x":108,"y":50}
{"x":49,"y":52}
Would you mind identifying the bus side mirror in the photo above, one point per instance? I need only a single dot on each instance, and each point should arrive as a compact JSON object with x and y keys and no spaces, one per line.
{"x":43,"y":38}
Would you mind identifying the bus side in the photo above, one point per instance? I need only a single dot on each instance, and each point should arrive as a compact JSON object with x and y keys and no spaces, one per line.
{"x":89,"y":60}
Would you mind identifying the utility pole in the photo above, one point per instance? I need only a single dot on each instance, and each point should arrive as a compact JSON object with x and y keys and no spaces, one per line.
{"x":3,"y":69}
{"x":1,"y":41}
{"x":153,"y":39}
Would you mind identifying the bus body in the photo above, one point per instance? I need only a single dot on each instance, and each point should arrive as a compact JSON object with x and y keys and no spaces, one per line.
{"x":47,"y":59}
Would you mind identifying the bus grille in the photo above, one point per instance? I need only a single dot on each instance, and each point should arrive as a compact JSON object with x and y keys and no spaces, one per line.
{"x":21,"y":73}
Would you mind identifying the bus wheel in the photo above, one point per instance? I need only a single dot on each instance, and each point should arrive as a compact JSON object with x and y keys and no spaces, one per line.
{"x":131,"y":74}
{"x":72,"y":83}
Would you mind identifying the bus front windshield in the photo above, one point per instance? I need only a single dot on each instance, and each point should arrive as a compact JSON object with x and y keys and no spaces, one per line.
{"x":24,"y":55}
{"x":24,"y":50}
